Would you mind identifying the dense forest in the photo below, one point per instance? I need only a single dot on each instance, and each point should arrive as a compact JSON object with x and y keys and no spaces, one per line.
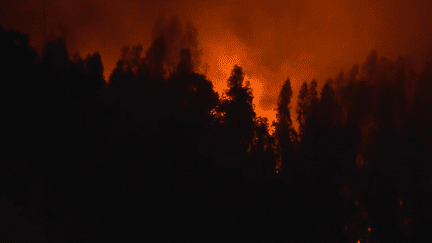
{"x":152,"y":152}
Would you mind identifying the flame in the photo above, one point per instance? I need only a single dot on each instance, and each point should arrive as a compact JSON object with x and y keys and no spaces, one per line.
{"x":222,"y":58}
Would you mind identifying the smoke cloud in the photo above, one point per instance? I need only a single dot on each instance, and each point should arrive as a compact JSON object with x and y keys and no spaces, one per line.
{"x":270,"y":39}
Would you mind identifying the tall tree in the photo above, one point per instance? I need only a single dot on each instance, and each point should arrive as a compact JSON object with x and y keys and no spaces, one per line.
{"x":238,"y":108}
{"x":307,"y":103}
{"x":94,"y":70}
{"x":264,"y":148}
{"x":285,"y":133}
{"x":313,"y":97}
{"x":192,"y":94}
{"x":370,"y":66}
{"x":330,"y":112}
{"x":302,"y":106}
{"x":155,"y":57}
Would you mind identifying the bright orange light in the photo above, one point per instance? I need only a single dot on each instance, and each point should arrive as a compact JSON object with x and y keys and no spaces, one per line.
{"x":222,"y":56}
{"x":226,"y":61}
{"x":369,"y":230}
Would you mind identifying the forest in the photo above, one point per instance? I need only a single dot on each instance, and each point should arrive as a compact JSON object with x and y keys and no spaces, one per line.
{"x":153,"y":153}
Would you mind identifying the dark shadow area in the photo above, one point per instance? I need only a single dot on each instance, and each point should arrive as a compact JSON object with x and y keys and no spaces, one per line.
{"x":153,"y":152}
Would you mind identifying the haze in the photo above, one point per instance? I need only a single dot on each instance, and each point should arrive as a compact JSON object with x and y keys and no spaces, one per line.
{"x":269,"y":39}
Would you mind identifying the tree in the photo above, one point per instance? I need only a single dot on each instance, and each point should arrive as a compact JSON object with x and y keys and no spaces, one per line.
{"x":55,"y":56}
{"x":307,"y":104}
{"x":313,"y":97}
{"x":284,"y":101}
{"x":94,"y":70}
{"x":131,"y":68}
{"x":302,"y":106}
{"x":261,"y":134}
{"x":264,"y":147}
{"x":185,"y":65}
{"x":370,"y":66}
{"x":168,"y":40}
{"x":330,"y":112}
{"x":155,"y":57}
{"x":285,"y":133}
{"x":19,"y":92}
{"x":239,"y":111}
{"x":191,"y":94}
{"x":190,"y":40}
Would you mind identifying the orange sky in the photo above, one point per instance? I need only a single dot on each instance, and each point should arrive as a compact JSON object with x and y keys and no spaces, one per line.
{"x":269,"y":39}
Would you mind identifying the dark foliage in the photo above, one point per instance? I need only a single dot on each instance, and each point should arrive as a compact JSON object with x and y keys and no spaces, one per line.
{"x":155,"y":152}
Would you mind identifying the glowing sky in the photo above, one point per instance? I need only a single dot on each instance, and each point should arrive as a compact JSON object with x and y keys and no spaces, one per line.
{"x":269,"y":39}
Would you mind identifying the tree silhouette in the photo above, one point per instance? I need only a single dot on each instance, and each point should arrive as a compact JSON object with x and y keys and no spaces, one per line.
{"x":190,"y":40}
{"x":185,"y":65}
{"x":263,"y":148}
{"x":168,"y":38}
{"x":313,"y":96}
{"x":370,"y":66}
{"x":302,"y":107}
{"x":285,"y":133}
{"x":307,"y":104}
{"x":190,"y":95}
{"x":238,"y":110}
{"x":159,"y":135}
{"x":94,"y":70}
{"x":329,"y":111}
{"x":155,"y":58}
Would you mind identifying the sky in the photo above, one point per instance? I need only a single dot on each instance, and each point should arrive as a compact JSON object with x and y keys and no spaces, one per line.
{"x":271,"y":40}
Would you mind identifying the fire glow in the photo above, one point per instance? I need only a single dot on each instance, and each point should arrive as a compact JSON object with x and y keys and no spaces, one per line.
{"x":271,"y":40}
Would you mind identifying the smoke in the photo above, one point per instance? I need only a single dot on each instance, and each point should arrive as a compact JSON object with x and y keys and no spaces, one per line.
{"x":175,"y":39}
{"x":270,"y":39}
